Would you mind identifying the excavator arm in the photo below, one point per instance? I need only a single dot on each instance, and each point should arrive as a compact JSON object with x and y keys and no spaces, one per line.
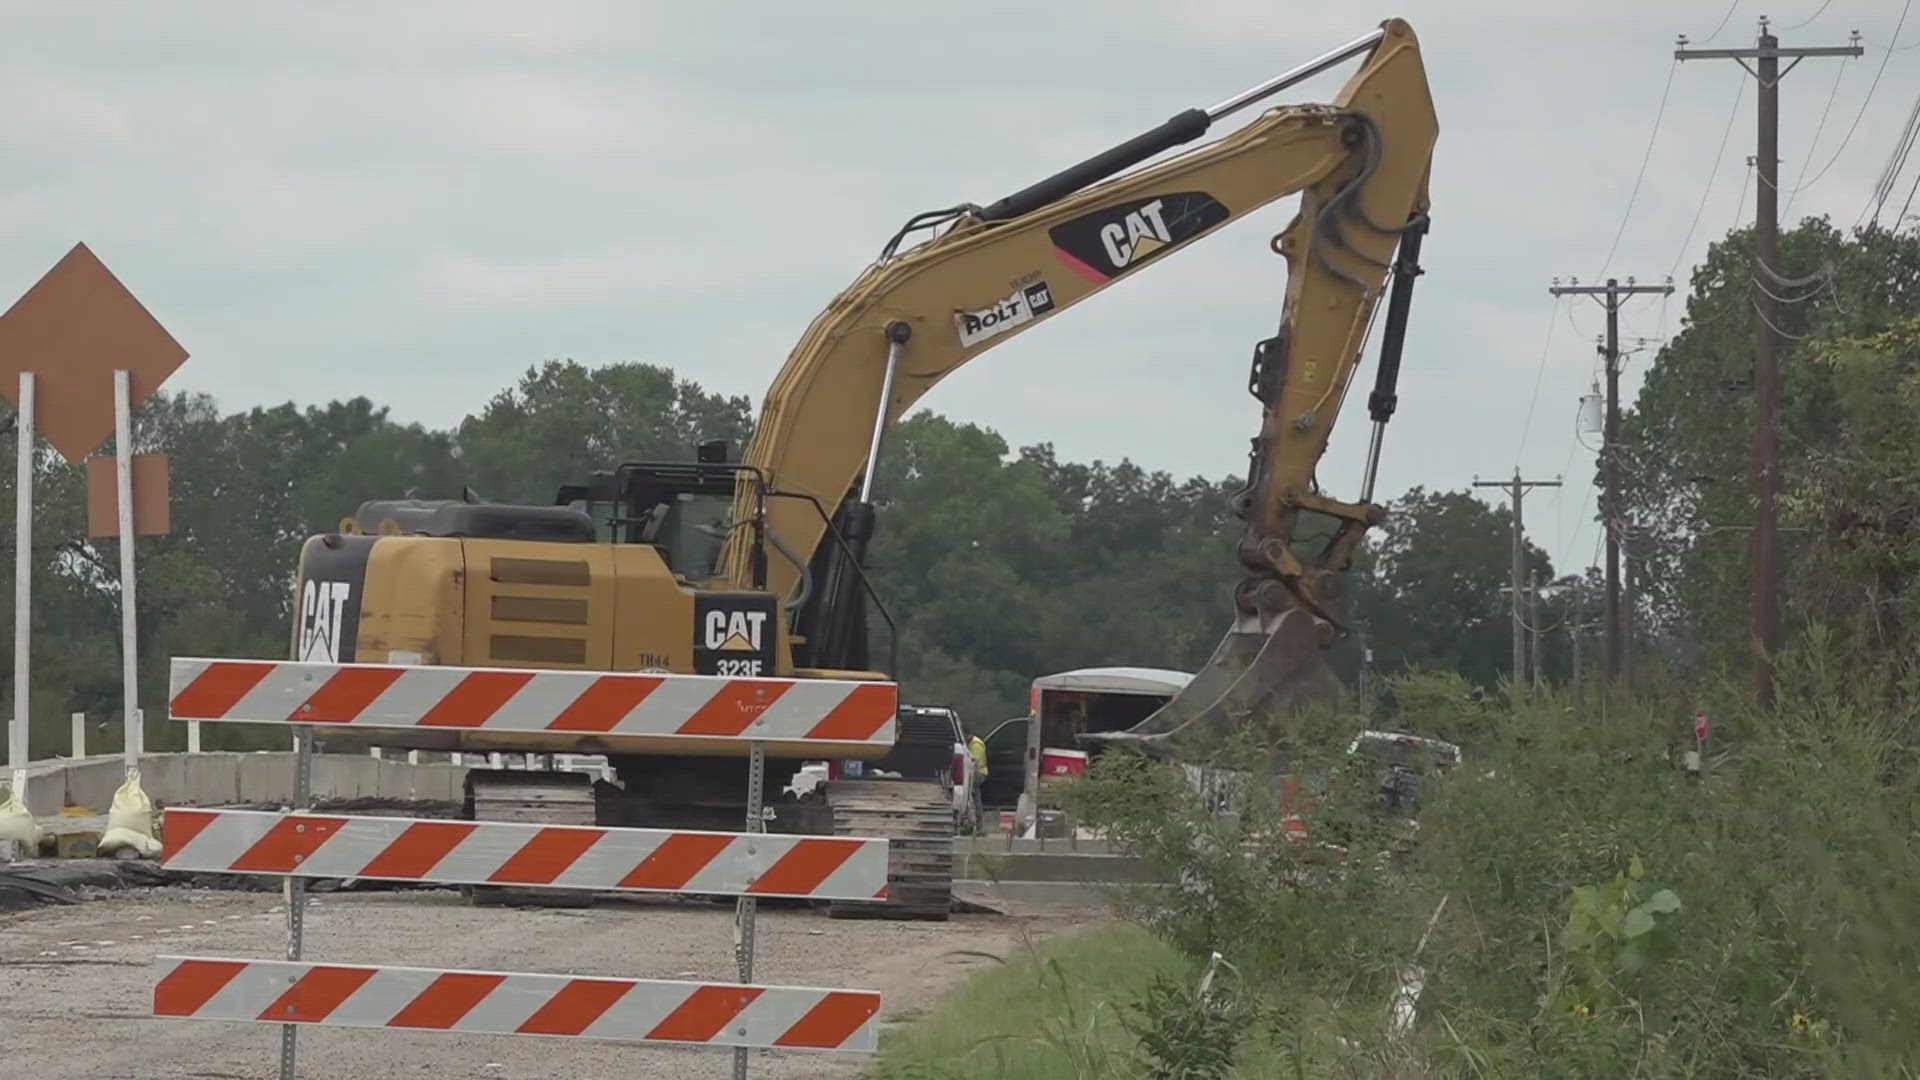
{"x":987,"y":274}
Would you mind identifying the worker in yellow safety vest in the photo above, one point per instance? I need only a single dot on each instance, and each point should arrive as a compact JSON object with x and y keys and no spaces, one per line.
{"x":977,"y":750}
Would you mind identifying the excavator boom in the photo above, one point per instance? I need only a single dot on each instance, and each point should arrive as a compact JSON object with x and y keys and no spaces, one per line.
{"x":918,"y":313}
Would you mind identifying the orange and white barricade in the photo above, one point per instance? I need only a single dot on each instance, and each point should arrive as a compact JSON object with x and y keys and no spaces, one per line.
{"x":302,"y":844}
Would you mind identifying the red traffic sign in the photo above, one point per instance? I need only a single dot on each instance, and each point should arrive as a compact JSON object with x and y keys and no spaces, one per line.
{"x":1700,"y":725}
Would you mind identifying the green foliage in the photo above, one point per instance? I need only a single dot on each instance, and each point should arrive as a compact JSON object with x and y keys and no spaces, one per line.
{"x":1051,"y":1010}
{"x":1614,"y":931}
{"x":1846,"y":365}
{"x":1440,"y":704}
{"x":1430,"y":588}
{"x":1186,"y":1032}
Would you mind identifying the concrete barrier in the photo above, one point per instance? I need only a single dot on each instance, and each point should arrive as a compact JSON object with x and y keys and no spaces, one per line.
{"x":216,"y":778}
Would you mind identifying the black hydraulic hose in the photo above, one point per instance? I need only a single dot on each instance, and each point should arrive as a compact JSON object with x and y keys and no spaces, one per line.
{"x":1183,"y":128}
{"x":1384,"y":399}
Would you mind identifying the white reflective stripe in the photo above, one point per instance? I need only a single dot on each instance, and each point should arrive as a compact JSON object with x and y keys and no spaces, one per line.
{"x":381,"y":997}
{"x":728,"y":871}
{"x":248,"y":994}
{"x":638,"y":1012}
{"x":768,"y":1017}
{"x":280,"y":694}
{"x":864,"y":873}
{"x":181,"y":672}
{"x":670,"y":704}
{"x":611,"y":858}
{"x":411,"y":696}
{"x":510,"y":1003}
{"x":222,"y":842}
{"x":803,"y":706}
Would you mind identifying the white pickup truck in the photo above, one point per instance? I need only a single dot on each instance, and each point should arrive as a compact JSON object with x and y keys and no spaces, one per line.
{"x":931,"y":745}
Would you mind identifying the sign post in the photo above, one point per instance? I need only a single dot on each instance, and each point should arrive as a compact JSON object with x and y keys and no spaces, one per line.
{"x":96,"y":353}
{"x":129,"y":654}
{"x":22,"y":588}
{"x":1696,"y":759}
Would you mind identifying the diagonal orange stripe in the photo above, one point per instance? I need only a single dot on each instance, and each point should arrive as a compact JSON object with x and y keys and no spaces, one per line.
{"x":178,"y":827}
{"x":802,"y":869}
{"x":605,"y":703}
{"x":289,"y":843}
{"x":831,"y":1022}
{"x":216,"y":689}
{"x":316,"y":995}
{"x":415,"y":852}
{"x":860,"y":714}
{"x":475,"y":698}
{"x":734,"y":708}
{"x":445,"y":1000}
{"x":575,"y":1007}
{"x":192,"y":984}
{"x":546,"y":856}
{"x":704,"y":1013}
{"x":675,"y":861}
{"x":346,"y":695}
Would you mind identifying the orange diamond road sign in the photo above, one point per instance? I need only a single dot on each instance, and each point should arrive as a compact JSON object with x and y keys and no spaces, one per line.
{"x":73,"y":329}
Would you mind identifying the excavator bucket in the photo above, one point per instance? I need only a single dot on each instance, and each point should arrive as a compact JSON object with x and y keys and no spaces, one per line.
{"x":1250,"y":685}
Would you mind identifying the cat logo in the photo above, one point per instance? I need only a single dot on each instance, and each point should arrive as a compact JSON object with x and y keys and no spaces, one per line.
{"x":733,"y":634}
{"x":323,"y":606}
{"x":735,"y":631}
{"x":1138,"y":234}
{"x":1024,"y":306}
{"x":1105,"y":243}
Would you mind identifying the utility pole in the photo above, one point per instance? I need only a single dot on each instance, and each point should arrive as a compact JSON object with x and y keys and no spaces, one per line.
{"x":1609,"y":297}
{"x":1539,"y":636}
{"x":1516,"y":488}
{"x":1766,"y":55}
{"x":1627,"y":608}
{"x":1575,"y":629}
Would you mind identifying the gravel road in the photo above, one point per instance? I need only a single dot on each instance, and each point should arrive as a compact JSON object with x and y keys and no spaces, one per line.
{"x":75,"y":982}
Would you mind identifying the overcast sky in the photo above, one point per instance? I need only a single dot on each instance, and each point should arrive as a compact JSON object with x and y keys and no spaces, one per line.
{"x":415,"y":201}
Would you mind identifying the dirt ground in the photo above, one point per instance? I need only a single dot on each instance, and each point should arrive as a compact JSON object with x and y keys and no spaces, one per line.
{"x":75,"y":982}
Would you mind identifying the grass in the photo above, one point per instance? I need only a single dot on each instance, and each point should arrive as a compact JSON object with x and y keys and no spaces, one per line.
{"x":1755,"y":921}
{"x":1050,"y":1012}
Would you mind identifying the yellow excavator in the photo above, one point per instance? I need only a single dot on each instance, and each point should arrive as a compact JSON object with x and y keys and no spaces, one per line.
{"x":754,"y":566}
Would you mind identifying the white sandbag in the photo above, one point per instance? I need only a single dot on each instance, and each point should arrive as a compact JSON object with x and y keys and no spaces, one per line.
{"x":130,"y":820}
{"x":16,"y":823}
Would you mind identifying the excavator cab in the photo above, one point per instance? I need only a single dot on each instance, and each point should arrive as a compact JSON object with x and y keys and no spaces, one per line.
{"x":683,"y":510}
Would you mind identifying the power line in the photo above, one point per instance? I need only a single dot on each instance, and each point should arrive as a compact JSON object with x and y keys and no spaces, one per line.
{"x":1871,"y":87}
{"x":1652,"y":136}
{"x":1732,"y":115}
{"x":1809,"y":19}
{"x":1896,"y":162}
{"x":1909,"y":202}
{"x":1539,"y":372}
{"x":1731,"y":8}
{"x":1839,"y":72}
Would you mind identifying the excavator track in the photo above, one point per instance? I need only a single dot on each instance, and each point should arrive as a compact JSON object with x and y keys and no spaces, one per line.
{"x":549,"y":798}
{"x":916,"y":819}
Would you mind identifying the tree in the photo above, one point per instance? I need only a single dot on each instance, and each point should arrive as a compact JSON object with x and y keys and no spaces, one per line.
{"x":1687,"y":466}
{"x":1428,"y":587}
{"x":564,"y":421}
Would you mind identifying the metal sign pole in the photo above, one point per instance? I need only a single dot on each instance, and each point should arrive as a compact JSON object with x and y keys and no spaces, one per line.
{"x":745,"y":907}
{"x":22,"y":588}
{"x":129,"y":658}
{"x":296,"y":887}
